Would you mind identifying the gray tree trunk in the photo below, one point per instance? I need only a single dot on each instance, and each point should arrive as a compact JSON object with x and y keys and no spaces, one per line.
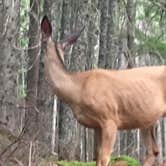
{"x":9,"y":64}
{"x":9,"y":68}
{"x":112,"y":34}
{"x":131,"y":13}
{"x":31,"y":113}
{"x":164,"y":139}
{"x":160,"y":141}
{"x":103,"y":10}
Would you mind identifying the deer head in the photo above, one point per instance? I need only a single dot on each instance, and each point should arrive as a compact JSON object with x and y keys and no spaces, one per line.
{"x":62,"y":44}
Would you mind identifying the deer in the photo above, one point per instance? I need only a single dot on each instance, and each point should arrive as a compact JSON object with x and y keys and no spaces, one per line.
{"x":107,"y":100}
{"x":164,"y":164}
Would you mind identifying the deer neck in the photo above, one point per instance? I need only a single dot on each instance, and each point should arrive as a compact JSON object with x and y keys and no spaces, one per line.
{"x":61,"y":81}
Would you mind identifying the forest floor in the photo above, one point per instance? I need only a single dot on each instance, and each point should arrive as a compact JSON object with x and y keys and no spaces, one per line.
{"x":6,"y":139}
{"x":115,"y":161}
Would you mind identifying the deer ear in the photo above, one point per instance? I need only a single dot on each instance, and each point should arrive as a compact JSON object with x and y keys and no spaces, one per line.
{"x":46,"y":27}
{"x":71,"y":39}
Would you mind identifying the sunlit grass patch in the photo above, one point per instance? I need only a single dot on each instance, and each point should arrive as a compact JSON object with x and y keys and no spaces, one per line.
{"x":114,"y":160}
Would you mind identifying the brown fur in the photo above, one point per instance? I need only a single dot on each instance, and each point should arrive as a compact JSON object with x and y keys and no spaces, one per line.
{"x":120,"y":163}
{"x":164,"y":164}
{"x":108,"y":100}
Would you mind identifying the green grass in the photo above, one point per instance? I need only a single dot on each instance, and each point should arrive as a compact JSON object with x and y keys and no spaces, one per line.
{"x":53,"y":160}
{"x":129,"y":160}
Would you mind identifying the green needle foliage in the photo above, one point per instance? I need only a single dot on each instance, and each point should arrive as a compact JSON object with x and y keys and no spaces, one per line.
{"x":150,"y":44}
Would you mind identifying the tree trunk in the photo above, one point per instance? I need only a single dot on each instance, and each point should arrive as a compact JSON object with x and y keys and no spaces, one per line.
{"x":164,"y":147}
{"x":103,"y":9}
{"x":112,"y":34}
{"x":9,"y":64}
{"x":131,"y":13}
{"x":9,"y":68}
{"x":159,"y":141}
{"x":31,"y":113}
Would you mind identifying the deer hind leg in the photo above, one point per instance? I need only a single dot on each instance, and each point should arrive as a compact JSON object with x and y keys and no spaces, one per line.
{"x":148,"y":136}
{"x":108,"y":136}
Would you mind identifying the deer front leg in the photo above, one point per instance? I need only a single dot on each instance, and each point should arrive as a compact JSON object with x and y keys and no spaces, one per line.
{"x":98,"y":144}
{"x":108,"y":136}
{"x":148,"y":136}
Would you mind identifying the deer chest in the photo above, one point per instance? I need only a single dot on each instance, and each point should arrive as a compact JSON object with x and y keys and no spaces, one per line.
{"x":85,"y":119}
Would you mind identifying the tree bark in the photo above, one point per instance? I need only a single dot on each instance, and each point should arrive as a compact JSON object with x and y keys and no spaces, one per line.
{"x":112,"y":34}
{"x":159,"y":141}
{"x":103,"y":9}
{"x":131,"y":13}
{"x":164,"y":140}
{"x":9,"y":63}
{"x":31,"y":114}
{"x":9,"y":68}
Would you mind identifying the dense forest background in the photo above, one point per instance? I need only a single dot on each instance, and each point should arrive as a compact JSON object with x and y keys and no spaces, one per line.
{"x":118,"y":34}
